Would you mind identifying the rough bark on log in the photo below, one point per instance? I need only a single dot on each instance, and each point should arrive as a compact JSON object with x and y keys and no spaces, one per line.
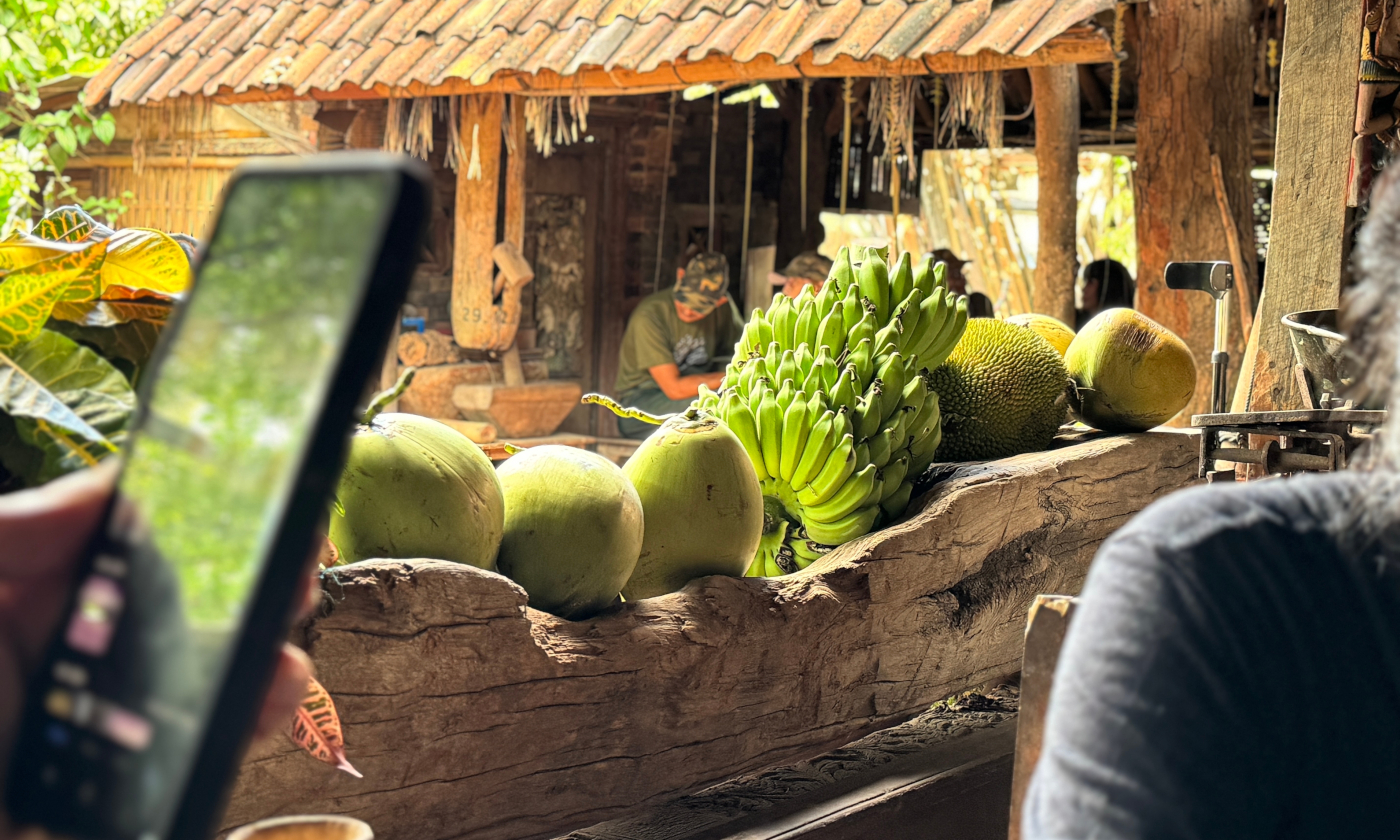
{"x":473,"y":716}
{"x":1194,"y":93}
{"x":429,"y":348}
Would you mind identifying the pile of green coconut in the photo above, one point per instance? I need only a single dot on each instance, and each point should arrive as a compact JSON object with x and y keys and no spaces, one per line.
{"x":575,"y":530}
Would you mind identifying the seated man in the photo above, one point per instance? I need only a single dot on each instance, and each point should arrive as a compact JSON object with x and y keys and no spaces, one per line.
{"x":1233,"y":669}
{"x":676,"y":341}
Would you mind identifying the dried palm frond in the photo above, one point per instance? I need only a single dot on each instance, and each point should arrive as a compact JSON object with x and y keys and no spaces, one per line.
{"x":396,"y":125}
{"x":891,"y":113}
{"x":975,"y":103}
{"x":449,"y":108}
{"x":546,"y":120}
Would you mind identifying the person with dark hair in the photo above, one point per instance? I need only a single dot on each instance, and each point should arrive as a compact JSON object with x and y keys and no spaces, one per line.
{"x":677,"y":340}
{"x":980,"y":306}
{"x":1103,"y":284}
{"x":957,"y":283}
{"x":1233,"y":667}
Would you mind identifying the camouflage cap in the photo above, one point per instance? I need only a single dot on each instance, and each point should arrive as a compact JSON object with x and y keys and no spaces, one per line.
{"x":704,"y":284}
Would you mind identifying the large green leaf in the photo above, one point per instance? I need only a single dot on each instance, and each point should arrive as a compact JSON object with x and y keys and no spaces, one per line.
{"x":144,"y":260}
{"x":109,"y":313}
{"x":127,"y":346}
{"x":68,"y":404}
{"x":28,"y":295}
{"x":71,"y":223}
{"x":27,"y":249}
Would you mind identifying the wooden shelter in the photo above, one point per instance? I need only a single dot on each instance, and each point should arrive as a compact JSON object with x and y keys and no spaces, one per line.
{"x":213,"y":81}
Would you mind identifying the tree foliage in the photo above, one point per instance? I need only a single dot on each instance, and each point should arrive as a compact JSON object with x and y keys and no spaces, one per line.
{"x":40,"y":41}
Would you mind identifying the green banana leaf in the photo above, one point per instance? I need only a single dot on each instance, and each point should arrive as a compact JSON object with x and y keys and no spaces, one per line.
{"x":28,"y":294}
{"x":128,"y":346}
{"x":67,"y":404}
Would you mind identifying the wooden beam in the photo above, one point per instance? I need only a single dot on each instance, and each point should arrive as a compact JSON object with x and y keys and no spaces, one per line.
{"x":1316,"y":120}
{"x":1194,"y":96}
{"x":473,"y":716}
{"x":477,"y":321}
{"x":1056,"y":92}
{"x":1080,"y":45}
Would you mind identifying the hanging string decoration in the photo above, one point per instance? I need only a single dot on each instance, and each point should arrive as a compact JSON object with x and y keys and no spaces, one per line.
{"x":408,"y":127}
{"x":546,"y":120}
{"x":975,"y":103}
{"x":1118,"y":9}
{"x":449,"y":108}
{"x":806,"y":114}
{"x":892,"y":118}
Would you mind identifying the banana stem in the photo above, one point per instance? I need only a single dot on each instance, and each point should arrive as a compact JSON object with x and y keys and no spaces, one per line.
{"x":383,"y":398}
{"x":621,"y":411}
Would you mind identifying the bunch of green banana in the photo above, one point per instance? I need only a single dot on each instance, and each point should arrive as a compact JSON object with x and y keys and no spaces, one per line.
{"x":830,"y":395}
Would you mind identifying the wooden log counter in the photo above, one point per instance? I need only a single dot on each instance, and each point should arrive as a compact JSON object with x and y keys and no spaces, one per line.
{"x":472,"y":716}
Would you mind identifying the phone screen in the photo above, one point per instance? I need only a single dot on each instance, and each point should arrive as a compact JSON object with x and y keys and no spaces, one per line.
{"x":225,"y":426}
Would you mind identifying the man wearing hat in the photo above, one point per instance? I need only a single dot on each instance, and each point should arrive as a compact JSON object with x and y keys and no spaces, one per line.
{"x":676,"y":341}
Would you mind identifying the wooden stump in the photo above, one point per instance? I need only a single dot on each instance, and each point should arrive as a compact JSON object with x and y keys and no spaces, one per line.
{"x":474,"y":716}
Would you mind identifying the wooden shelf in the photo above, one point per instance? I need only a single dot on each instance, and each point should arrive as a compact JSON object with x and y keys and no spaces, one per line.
{"x":472,"y":715}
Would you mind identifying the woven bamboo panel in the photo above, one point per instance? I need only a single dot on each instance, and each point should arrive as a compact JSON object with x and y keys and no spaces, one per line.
{"x":175,"y":199}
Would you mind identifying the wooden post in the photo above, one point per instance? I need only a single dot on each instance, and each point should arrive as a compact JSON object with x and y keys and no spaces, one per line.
{"x":1317,"y":99}
{"x":1045,"y":633}
{"x":1056,"y":91}
{"x":1194,"y":95}
{"x":478,"y":320}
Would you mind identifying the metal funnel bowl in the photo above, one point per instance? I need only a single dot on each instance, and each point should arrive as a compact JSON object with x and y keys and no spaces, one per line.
{"x":1320,"y":350}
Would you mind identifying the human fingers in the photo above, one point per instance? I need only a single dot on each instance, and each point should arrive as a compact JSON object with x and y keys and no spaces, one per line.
{"x":286,"y":693}
{"x":43,"y":531}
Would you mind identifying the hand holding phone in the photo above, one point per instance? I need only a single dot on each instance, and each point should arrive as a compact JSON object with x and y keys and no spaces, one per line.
{"x":145,"y":696}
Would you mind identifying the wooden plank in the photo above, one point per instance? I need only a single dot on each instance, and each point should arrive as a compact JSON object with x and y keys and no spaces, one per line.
{"x":910,"y":778}
{"x":515,"y":175}
{"x":473,"y":716}
{"x":1045,"y":633}
{"x":1082,"y":45}
{"x":1316,"y":120}
{"x":1056,"y":91}
{"x":474,"y":223}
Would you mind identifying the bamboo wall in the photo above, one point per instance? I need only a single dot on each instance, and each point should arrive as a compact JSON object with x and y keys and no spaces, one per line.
{"x":178,"y":199}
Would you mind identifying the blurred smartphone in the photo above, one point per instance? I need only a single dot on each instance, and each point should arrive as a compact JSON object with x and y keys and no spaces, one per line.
{"x":144,"y":701}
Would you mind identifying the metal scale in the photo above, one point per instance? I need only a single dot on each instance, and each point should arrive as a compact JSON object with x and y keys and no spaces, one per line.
{"x":1318,"y":438}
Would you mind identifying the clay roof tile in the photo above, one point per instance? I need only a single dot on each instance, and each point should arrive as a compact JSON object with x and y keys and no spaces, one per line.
{"x":151,"y":38}
{"x":174,"y":74}
{"x":307,"y":62}
{"x":366,"y":29}
{"x":863,"y":33}
{"x":824,"y":23}
{"x":138,"y":77}
{"x":470,"y":22}
{"x":238,"y":68}
{"x":271,"y":32}
{"x":310,"y":20}
{"x":1006,"y":25}
{"x":327,"y":77}
{"x":643,"y":38}
{"x":600,"y":47}
{"x":675,"y":45}
{"x":403,"y":27}
{"x":208,"y":68}
{"x":205,"y":41}
{"x":361,"y":68}
{"x":515,"y":50}
{"x":918,"y":19}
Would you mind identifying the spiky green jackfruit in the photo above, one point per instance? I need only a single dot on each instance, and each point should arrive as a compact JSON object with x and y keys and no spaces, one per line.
{"x":1001,"y":393}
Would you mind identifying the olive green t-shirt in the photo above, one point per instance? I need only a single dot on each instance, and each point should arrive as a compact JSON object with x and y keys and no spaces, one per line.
{"x":656,"y":335}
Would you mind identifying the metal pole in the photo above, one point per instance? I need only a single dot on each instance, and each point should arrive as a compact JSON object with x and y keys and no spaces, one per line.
{"x":894,"y":197}
{"x":748,"y":201}
{"x":846,"y":99}
{"x":806,"y":112}
{"x":714,"y":150}
{"x":665,"y":182}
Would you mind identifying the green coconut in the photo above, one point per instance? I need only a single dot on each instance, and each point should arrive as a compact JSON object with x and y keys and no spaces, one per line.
{"x":1130,"y":373}
{"x":573,"y":529}
{"x":413,"y":487}
{"x":702,"y":504}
